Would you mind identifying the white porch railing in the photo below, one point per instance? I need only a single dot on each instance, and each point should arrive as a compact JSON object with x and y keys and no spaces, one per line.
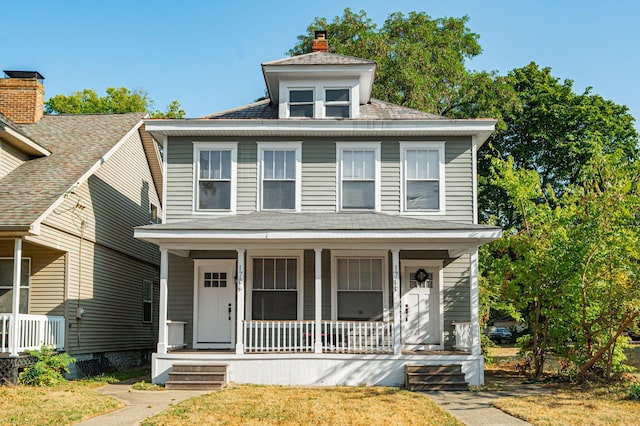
{"x":463,"y":336}
{"x":35,"y":331}
{"x":337,"y":336}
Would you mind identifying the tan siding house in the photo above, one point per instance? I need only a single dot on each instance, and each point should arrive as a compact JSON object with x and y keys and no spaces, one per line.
{"x":72,"y":190}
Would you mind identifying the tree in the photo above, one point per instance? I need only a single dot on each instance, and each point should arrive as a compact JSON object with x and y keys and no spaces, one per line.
{"x":556,"y":133}
{"x":420,"y":62}
{"x":116,"y":101}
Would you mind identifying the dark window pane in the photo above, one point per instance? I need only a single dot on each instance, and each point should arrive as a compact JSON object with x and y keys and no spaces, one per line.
{"x":337,"y":95}
{"x":358,"y":195}
{"x":301,"y":110}
{"x":214,"y":196}
{"x":360,"y":305}
{"x":279,"y":195}
{"x":341,"y":111}
{"x":274,"y":305}
{"x":6,"y":300}
{"x":423,"y":195}
{"x":257,"y":273}
{"x":269,"y":272}
{"x":6,"y":273}
{"x":281,"y":273}
{"x":292,"y":269}
{"x":146,"y":315}
{"x":301,"y":96}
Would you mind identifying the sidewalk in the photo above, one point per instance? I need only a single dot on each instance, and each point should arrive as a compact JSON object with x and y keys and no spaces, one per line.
{"x":139,"y":404}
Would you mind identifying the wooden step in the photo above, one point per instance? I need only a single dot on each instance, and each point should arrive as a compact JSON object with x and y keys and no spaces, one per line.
{"x":436,"y":378}
{"x":184,"y":376}
{"x":193,"y":385}
{"x":434,"y":369}
{"x":199,"y":368}
{"x":446,"y":377}
{"x":188,"y":376}
{"x":433,"y":387}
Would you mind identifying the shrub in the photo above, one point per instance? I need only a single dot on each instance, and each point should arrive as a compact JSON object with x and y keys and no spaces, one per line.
{"x":485,"y":345}
{"x":634,"y":392}
{"x":48,"y":368}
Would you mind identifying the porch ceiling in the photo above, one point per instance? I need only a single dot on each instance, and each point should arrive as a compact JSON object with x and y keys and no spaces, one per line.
{"x":278,"y":227}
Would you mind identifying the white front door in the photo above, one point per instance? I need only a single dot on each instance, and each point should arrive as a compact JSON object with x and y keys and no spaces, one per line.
{"x":420,"y":313}
{"x":216,"y":300}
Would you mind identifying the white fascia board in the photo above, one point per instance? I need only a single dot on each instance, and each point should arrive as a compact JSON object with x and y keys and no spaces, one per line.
{"x":22,"y":142}
{"x":481,"y":128}
{"x":87,"y":174}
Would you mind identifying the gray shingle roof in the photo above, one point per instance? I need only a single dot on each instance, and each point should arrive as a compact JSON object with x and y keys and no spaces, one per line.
{"x":76,"y":142}
{"x":321,"y":58}
{"x":278,"y":221}
{"x":374,"y":110}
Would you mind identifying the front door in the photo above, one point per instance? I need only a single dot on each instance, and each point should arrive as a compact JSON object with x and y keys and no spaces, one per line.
{"x":215,"y":293}
{"x":420,"y":313}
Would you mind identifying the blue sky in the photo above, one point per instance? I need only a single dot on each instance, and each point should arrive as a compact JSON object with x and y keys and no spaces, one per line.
{"x":207,"y":54}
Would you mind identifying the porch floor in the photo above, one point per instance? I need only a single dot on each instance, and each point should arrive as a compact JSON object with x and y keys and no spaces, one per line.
{"x":232,"y":351}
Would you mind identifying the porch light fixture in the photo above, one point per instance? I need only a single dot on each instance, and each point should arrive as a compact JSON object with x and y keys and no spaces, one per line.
{"x":421,"y":275}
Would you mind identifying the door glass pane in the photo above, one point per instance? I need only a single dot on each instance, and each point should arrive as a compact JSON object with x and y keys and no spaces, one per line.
{"x":358,"y":195}
{"x":423,"y":195}
{"x":214,"y":195}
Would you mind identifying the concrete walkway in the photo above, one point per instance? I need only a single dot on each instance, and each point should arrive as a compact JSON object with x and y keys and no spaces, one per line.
{"x":139,"y":404}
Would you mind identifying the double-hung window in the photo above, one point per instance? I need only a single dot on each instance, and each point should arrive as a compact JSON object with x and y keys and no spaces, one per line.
{"x":359,"y":176}
{"x":337,"y":103}
{"x":423,"y":177}
{"x":360,"y":288}
{"x":215,"y":176}
{"x":279,"y":176}
{"x":275,"y":285}
{"x":6,"y":285}
{"x":301,"y":102}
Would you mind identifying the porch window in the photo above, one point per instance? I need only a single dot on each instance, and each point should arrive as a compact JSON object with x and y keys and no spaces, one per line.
{"x":215,"y":176}
{"x":275,"y":289}
{"x":147,"y":300}
{"x":360,"y":288}
{"x":423,"y":177}
{"x":6,"y":285}
{"x":359,"y":176}
{"x":279,"y":176}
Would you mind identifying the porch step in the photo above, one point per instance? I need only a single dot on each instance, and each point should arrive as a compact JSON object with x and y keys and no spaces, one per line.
{"x":435,"y":378}
{"x":197,"y":377}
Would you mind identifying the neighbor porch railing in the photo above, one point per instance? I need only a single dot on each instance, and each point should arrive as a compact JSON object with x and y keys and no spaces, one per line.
{"x":35,"y":331}
{"x":300,"y":336}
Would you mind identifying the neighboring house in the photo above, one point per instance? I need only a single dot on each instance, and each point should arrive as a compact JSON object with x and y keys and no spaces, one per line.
{"x":72,"y":187}
{"x":319,"y":237}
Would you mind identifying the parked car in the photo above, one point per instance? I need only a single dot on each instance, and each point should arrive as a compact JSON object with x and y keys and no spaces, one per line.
{"x":499,"y":334}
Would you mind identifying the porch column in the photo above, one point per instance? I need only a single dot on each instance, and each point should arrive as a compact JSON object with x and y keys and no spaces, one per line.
{"x":318,"y":266}
{"x":163,"y":333}
{"x":475,"y":301}
{"x":240,"y":304}
{"x":397,"y":306}
{"x":14,"y":334}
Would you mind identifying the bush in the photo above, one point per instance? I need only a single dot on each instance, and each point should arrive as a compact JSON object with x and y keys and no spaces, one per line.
{"x":634,"y":392}
{"x":485,"y":345}
{"x":48,"y":369}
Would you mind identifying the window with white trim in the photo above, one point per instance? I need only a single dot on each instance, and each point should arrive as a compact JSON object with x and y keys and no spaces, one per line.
{"x":423,"y":177}
{"x":6,"y":285}
{"x":279,"y":176}
{"x":147,"y":300}
{"x":274,"y":294}
{"x":215,"y":176}
{"x":154,"y":218}
{"x":301,"y":103}
{"x":360,"y":291}
{"x":359,"y":177}
{"x":337,"y":103}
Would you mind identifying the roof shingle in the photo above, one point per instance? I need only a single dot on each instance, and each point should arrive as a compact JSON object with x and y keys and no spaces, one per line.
{"x":321,"y":58}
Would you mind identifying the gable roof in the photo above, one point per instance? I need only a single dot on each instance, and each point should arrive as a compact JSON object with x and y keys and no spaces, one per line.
{"x":320,"y":58}
{"x":78,"y":144}
{"x":11,"y":132}
{"x":374,"y":110}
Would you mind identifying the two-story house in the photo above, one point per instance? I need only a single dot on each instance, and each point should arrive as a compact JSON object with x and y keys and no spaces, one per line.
{"x":319,"y":237}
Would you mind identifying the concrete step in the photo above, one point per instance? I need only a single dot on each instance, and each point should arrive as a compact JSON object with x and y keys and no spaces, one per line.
{"x":188,"y":376}
{"x":195,"y":385}
{"x":199,"y":368}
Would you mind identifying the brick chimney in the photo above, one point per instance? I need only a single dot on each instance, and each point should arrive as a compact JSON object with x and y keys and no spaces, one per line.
{"x":22,"y":96}
{"x":320,"y":43}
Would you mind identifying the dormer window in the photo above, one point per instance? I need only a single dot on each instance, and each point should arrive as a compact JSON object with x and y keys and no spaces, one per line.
{"x":301,"y":103}
{"x":337,"y":103}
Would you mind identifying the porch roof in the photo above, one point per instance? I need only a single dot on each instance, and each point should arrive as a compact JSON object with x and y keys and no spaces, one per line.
{"x":317,"y":226}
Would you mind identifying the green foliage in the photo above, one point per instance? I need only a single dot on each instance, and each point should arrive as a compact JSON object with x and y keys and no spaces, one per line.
{"x":48,"y":369}
{"x":116,"y":101}
{"x":634,"y":392}
{"x":485,"y":347}
{"x":421,"y":62}
{"x":142,"y":385}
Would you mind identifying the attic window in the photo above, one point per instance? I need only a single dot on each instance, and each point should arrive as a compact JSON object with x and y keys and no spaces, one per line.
{"x":301,"y":103}
{"x":337,"y":102}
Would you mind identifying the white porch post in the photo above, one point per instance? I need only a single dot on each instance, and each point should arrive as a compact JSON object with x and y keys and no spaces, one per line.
{"x":163,"y":333}
{"x":397,"y":342}
{"x":240,"y":304}
{"x":14,"y":334}
{"x":475,"y":301}
{"x":318,"y":266}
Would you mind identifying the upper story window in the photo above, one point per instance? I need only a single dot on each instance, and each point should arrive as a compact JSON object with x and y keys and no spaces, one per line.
{"x":279,"y":176}
{"x":423,"y":177}
{"x":215,"y":176}
{"x":301,"y":103}
{"x":337,"y":103}
{"x":359,"y":176}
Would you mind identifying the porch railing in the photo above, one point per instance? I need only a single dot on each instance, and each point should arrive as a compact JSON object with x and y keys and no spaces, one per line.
{"x":35,"y":331}
{"x":300,"y":336}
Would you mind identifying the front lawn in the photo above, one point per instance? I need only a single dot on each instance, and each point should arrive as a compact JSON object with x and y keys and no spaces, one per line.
{"x":260,"y":405}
